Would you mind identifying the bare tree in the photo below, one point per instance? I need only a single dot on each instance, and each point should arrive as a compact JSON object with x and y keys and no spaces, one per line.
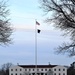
{"x":5,"y":69}
{"x":63,"y":18}
{"x":71,"y":69}
{"x":5,"y":28}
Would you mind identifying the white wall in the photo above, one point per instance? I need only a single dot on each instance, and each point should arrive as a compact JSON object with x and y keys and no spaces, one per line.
{"x":14,"y":70}
{"x":62,"y":72}
{"x":39,"y":71}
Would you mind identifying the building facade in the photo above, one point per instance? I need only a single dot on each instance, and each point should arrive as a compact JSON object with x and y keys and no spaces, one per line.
{"x":41,"y":70}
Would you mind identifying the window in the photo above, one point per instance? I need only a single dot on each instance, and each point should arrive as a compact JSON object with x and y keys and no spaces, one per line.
{"x":29,"y":69}
{"x":20,"y":69}
{"x":54,"y":69}
{"x":11,"y":69}
{"x":54,"y":73}
{"x":59,"y":69}
{"x":45,"y":73}
{"x":41,"y":69}
{"x":49,"y":69}
{"x":45,"y":69}
{"x":63,"y":73}
{"x":25,"y":69}
{"x":11,"y":73}
{"x":33,"y":69}
{"x":15,"y":73}
{"x":15,"y":69}
{"x":59,"y":74}
{"x":63,"y":69}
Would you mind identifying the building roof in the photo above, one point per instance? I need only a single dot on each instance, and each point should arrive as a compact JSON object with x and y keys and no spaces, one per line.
{"x":38,"y":66}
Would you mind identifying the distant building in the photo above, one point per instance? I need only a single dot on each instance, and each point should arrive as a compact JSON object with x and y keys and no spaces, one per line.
{"x":41,"y":70}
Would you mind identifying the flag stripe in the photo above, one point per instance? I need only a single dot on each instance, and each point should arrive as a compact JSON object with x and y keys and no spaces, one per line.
{"x":37,"y":23}
{"x":38,"y":30}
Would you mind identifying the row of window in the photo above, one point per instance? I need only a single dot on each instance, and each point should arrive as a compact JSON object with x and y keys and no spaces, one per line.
{"x":59,"y":74}
{"x":16,"y":74}
{"x":32,"y":69}
{"x":59,"y":69}
{"x":38,"y":69}
{"x":32,"y":74}
{"x":16,"y":69}
{"x":22,"y":74}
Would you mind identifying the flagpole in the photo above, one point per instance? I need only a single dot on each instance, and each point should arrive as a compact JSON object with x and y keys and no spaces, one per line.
{"x":35,"y":48}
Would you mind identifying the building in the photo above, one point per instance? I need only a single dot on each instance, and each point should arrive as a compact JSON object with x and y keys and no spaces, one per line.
{"x":41,"y":70}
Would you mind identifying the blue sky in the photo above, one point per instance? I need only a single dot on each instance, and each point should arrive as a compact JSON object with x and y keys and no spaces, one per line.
{"x":23,"y":14}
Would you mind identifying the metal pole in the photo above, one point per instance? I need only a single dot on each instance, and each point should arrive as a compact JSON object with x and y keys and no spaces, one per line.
{"x":35,"y":48}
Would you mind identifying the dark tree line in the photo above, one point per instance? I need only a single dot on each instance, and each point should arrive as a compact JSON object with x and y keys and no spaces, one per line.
{"x":71,"y":69}
{"x":63,"y":18}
